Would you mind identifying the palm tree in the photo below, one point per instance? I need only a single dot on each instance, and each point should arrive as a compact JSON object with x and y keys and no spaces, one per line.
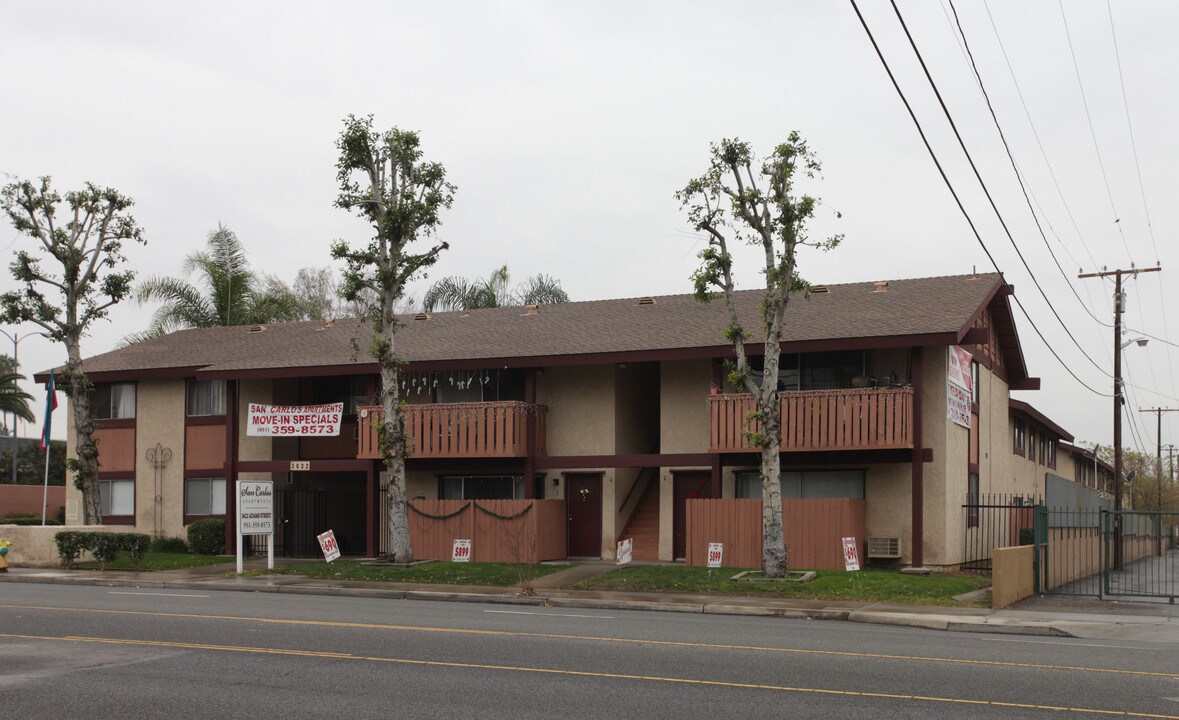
{"x":13,"y":400}
{"x":229,"y":293}
{"x":456,"y":293}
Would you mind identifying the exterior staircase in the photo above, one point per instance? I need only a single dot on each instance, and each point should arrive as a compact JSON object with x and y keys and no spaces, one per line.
{"x":643,"y":526}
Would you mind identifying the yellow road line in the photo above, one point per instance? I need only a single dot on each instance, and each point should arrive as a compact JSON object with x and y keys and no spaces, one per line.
{"x":591,"y":674}
{"x":594,"y":638}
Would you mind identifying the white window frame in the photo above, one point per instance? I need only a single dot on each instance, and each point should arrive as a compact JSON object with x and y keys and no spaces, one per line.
{"x":115,"y":410}
{"x":215,"y":389}
{"x":216,"y":495}
{"x":108,"y":494}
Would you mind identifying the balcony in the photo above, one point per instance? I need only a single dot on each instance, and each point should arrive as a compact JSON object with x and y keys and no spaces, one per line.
{"x":459,"y":430}
{"x":815,"y":420}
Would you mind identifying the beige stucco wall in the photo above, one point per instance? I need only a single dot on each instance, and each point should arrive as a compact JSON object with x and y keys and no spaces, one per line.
{"x":34,"y":546}
{"x":1012,"y":575}
{"x":636,"y":408}
{"x":580,"y":404}
{"x":252,"y":448}
{"x":683,"y":406}
{"x":888,"y":501}
{"x":159,"y":419}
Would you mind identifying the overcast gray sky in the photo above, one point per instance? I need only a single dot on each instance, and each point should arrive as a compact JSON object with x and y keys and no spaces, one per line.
{"x":567,"y":127}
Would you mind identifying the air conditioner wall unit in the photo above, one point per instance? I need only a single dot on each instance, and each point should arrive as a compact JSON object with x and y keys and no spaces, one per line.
{"x":884,"y":547}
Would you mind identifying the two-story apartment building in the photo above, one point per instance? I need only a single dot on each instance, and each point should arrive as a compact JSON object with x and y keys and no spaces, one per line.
{"x":896,"y":392}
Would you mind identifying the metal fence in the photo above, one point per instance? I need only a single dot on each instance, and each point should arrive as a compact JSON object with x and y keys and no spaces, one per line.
{"x":1142,"y":559}
{"x":1070,"y":552}
{"x":994,"y":521}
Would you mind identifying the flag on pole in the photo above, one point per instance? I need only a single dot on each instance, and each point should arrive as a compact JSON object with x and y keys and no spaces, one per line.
{"x":50,"y":406}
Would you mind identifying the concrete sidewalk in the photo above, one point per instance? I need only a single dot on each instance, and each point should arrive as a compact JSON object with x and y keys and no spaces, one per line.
{"x":1037,"y":616}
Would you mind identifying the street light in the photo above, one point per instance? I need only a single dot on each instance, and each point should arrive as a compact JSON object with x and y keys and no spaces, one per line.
{"x":16,"y":337}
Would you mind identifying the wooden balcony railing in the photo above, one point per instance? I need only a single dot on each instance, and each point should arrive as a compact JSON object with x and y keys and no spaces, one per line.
{"x":851,"y":419}
{"x":459,"y":430}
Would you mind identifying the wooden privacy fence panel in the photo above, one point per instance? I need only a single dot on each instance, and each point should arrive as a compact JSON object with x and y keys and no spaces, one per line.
{"x":457,"y":430}
{"x":528,"y":531}
{"x":849,"y":419}
{"x":814,"y":531}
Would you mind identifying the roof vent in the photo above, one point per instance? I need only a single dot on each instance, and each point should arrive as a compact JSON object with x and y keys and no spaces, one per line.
{"x":647,"y":301}
{"x":819,"y":290}
{"x":256,"y":328}
{"x":530,"y":309}
{"x":326,"y":324}
{"x":422,"y":316}
{"x":881,"y":286}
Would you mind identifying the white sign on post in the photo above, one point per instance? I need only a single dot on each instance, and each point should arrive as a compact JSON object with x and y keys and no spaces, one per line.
{"x":851,"y":556}
{"x":716,"y":555}
{"x":327,"y":543}
{"x":255,"y":516}
{"x":294,"y":420}
{"x":625,"y":547}
{"x":461,"y":551}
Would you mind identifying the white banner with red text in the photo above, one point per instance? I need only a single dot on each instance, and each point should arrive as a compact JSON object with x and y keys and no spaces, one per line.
{"x":294,"y":420}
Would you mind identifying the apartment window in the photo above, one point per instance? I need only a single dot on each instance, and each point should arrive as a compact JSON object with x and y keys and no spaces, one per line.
{"x":1043,"y":456}
{"x":116,"y":497}
{"x":352,"y":391}
{"x":113,"y":401}
{"x":205,"y":397}
{"x":482,"y":487}
{"x":204,"y":496}
{"x":1018,"y":438}
{"x":1052,"y":454}
{"x":806,"y":485}
{"x":974,"y":377}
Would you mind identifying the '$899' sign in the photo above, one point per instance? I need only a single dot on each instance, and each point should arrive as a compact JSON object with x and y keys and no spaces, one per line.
{"x":461,"y":551}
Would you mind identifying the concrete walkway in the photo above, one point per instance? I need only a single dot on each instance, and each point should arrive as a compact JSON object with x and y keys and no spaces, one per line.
{"x":1038,"y":616}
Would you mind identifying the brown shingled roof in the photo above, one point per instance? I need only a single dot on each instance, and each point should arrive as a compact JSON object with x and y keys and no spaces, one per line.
{"x":925,"y":306}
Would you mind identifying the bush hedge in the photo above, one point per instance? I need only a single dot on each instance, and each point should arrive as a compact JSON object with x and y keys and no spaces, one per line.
{"x":169,"y":545}
{"x":104,"y":546}
{"x":207,"y":537}
{"x":26,"y":519}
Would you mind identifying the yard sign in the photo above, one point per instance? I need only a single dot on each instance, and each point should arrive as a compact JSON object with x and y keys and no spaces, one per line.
{"x":461,"y":551}
{"x":851,"y":556}
{"x":624,"y":551}
{"x":716,"y":555}
{"x":254,"y":506}
{"x":327,"y":543}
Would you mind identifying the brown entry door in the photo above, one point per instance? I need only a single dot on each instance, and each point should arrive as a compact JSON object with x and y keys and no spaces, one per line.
{"x":694,"y":484}
{"x":583,"y":503}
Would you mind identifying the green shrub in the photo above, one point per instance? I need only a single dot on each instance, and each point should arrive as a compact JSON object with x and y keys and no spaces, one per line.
{"x":105,"y":547}
{"x":169,"y":545}
{"x":27,"y":521}
{"x":136,"y":545}
{"x":70,"y":546}
{"x":207,"y":537}
{"x":1027,"y":536}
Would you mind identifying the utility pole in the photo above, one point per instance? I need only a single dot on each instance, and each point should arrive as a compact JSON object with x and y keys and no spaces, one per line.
{"x":1119,"y":308}
{"x":1158,"y":488}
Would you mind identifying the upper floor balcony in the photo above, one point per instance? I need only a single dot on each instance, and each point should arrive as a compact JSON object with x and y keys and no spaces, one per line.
{"x":846,"y":419}
{"x":459,"y":430}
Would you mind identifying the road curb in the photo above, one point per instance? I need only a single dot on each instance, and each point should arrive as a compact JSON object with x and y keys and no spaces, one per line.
{"x":978,"y":624}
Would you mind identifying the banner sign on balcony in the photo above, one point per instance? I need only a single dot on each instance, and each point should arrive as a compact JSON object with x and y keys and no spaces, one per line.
{"x":625,"y":547}
{"x":294,"y":420}
{"x":327,"y":543}
{"x":716,"y":555}
{"x":851,"y":556}
{"x":461,"y":551}
{"x":961,"y":369}
{"x":957,"y":405}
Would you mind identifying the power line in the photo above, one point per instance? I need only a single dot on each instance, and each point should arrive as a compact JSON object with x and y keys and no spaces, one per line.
{"x":1093,"y":133}
{"x":986,"y":190}
{"x":941,"y":171}
{"x":1014,"y":167}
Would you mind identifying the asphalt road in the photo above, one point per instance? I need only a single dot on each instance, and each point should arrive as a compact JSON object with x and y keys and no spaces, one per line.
{"x":97,"y":652}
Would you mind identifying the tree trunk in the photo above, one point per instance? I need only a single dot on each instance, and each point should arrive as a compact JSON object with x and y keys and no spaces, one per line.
{"x":393,"y":442}
{"x":85,"y":465}
{"x":773,"y":553}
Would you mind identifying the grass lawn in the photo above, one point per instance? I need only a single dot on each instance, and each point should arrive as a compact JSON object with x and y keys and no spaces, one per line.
{"x":496,"y":574}
{"x":159,"y":561}
{"x":865,"y":585}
